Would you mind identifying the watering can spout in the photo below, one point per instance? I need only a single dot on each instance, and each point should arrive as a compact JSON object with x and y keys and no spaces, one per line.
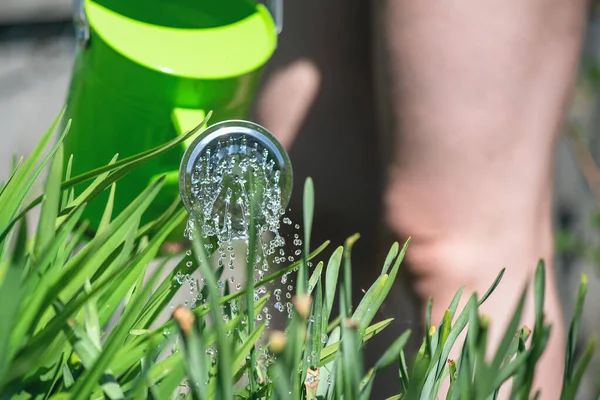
{"x":231,"y":166}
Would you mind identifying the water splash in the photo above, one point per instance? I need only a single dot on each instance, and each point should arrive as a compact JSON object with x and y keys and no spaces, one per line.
{"x":230,"y":168}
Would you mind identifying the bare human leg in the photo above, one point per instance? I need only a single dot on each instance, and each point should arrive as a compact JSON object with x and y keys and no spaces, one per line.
{"x":478,"y":92}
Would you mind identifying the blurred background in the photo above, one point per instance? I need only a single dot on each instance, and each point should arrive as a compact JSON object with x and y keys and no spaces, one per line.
{"x":342,"y":154}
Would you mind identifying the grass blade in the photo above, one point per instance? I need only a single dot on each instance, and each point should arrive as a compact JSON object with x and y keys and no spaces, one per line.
{"x":47,"y":222}
{"x":331,"y":280}
{"x":308,"y":207}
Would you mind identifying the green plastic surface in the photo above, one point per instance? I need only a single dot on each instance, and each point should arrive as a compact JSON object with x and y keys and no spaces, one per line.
{"x":124,"y":103}
{"x":203,"y":53}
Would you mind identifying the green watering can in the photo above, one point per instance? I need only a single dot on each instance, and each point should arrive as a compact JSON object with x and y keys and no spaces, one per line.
{"x":148,"y":70}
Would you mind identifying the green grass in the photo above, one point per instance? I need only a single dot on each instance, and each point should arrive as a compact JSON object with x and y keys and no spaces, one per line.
{"x":58,"y":293}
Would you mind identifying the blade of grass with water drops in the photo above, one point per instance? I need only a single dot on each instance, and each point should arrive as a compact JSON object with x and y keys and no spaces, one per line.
{"x":327,"y":371}
{"x":275,"y":275}
{"x":314,"y":278}
{"x":163,"y":295}
{"x":315,"y":329}
{"x":245,"y":348}
{"x":250,"y":265}
{"x":224,"y":376}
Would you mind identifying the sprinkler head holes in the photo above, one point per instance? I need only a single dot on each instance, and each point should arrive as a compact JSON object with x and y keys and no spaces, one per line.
{"x":231,"y":165}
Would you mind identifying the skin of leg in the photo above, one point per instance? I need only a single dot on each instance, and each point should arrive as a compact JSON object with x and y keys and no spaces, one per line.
{"x":477,"y":91}
{"x":298,"y":83}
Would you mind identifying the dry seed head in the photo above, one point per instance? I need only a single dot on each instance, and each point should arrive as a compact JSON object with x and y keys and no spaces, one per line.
{"x":277,"y":341}
{"x":485,"y":321}
{"x":185,"y":318}
{"x":302,"y":303}
{"x":352,"y":323}
{"x":312,"y":379}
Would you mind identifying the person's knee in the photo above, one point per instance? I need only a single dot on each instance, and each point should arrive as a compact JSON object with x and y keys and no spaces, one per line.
{"x":457,"y":243}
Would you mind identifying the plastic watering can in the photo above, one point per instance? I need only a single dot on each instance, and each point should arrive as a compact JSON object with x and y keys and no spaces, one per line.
{"x":148,"y":70}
